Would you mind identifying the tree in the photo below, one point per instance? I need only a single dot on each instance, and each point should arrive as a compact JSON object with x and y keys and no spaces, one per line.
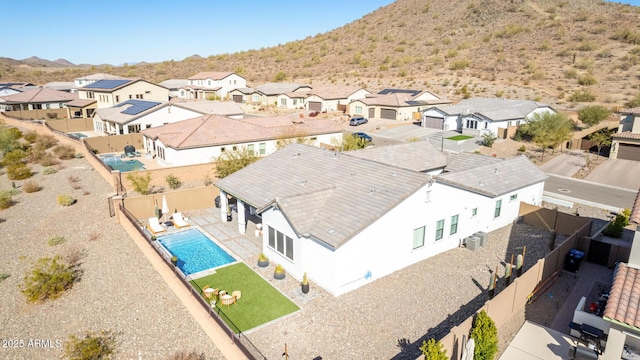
{"x":232,"y":161}
{"x":293,"y":136}
{"x":140,"y":183}
{"x":348,"y":143}
{"x":488,"y":139}
{"x":433,"y":350}
{"x":593,"y":115}
{"x":485,"y":335}
{"x":549,"y":129}
{"x":600,"y":138}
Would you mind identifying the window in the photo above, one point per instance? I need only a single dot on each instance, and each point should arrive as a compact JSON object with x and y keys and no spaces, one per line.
{"x":234,"y":148}
{"x":418,"y":237}
{"x":513,"y":197}
{"x":474,"y":212}
{"x":209,"y":82}
{"x":472,"y":124}
{"x":222,"y":149}
{"x":48,"y":106}
{"x":161,"y":153}
{"x":295,"y":102}
{"x":117,"y":98}
{"x":359,"y":110}
{"x":255,"y":97}
{"x":139,"y":96}
{"x":498,"y":207}
{"x":439,"y":229}
{"x":281,"y":243}
{"x":262,"y":148}
{"x":454,"y":225}
{"x":134,"y":129}
{"x":250,"y":149}
{"x":283,"y":102}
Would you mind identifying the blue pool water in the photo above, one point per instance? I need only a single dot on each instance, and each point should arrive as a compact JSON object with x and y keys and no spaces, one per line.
{"x":123,"y":165}
{"x":195,"y":251}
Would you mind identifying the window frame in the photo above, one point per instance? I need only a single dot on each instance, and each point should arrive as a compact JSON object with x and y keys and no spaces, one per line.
{"x":439,"y":229}
{"x":498,"y":209}
{"x":416,"y":236}
{"x":281,"y":243}
{"x":453,"y":227}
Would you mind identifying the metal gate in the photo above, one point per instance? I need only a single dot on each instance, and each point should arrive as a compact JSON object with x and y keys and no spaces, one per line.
{"x":599,"y":252}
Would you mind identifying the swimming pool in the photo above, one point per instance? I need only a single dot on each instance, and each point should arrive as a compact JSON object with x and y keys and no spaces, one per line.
{"x":117,"y":163}
{"x":195,"y":251}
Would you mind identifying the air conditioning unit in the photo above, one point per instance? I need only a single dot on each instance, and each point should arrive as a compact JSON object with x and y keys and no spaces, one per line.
{"x":472,"y":243}
{"x":482,"y":236}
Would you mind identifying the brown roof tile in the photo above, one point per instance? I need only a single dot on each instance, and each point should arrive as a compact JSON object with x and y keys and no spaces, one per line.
{"x":215,"y":75}
{"x":623,"y":305}
{"x":627,"y":135}
{"x":41,"y":95}
{"x":635,"y":212}
{"x":631,"y":111}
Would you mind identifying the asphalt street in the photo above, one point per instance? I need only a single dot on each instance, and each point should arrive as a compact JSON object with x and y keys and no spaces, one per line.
{"x":588,"y":193}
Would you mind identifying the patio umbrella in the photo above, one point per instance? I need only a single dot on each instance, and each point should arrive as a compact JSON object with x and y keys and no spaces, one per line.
{"x":156,"y":211}
{"x":165,"y":207}
{"x":469,"y":349}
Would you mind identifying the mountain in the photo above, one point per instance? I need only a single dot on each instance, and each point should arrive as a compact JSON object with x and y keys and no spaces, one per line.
{"x":558,"y":52}
{"x":64,"y":62}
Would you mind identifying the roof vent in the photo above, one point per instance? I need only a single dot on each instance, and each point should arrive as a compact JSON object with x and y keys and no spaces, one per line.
{"x":495,"y":170}
{"x":302,"y":182}
{"x":394,"y":175}
{"x":296,"y":154}
{"x":481,"y":183}
{"x":331,"y":231}
{"x":372,"y":191}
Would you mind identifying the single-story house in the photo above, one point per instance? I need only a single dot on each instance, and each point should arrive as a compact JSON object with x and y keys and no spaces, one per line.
{"x":215,"y":84}
{"x":108,"y":93}
{"x":175,"y":87}
{"x":347,"y":221}
{"x":7,"y":90}
{"x":333,"y":98}
{"x":477,"y":116}
{"x":202,"y":139}
{"x":225,"y":108}
{"x":282,"y":95}
{"x":244,"y":95}
{"x":134,"y":115}
{"x":36,"y":99}
{"x":625,"y":144}
{"x":395,"y":104}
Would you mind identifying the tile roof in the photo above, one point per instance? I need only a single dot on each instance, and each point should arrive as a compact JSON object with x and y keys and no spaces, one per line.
{"x":245,"y":90}
{"x":494,"y":178}
{"x":493,"y":108}
{"x":226,"y":108}
{"x":60,"y":85}
{"x":214,"y":75}
{"x":81,"y":102}
{"x":325,"y":195}
{"x":413,"y":93}
{"x":627,"y":135}
{"x":127,"y":111}
{"x":99,"y":76}
{"x":417,"y":156}
{"x":623,"y":305}
{"x":464,"y":161}
{"x":107,"y":84}
{"x":279,"y":88}
{"x":174,"y":83}
{"x":211,"y":130}
{"x":40,"y":95}
{"x":635,"y":211}
{"x":399,"y":99}
{"x":631,"y":111}
{"x":334,"y":92}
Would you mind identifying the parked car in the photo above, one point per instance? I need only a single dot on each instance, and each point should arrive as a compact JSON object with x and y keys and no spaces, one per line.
{"x":362,"y":135}
{"x":359,"y":120}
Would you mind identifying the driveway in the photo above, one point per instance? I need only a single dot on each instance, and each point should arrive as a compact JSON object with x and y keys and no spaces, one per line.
{"x":565,"y":164}
{"x":616,"y":172}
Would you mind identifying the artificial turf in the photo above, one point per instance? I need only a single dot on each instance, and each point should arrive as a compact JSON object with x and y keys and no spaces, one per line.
{"x":260,"y":302}
{"x":459,"y":137}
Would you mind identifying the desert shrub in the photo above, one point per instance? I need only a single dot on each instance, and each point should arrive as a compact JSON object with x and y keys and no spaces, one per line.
{"x":582,"y":96}
{"x":433,"y":350}
{"x":15,"y":133}
{"x":46,"y":141}
{"x":78,"y":155}
{"x":571,"y":73}
{"x":485,"y":335}
{"x":9,"y":192}
{"x":635,"y":102}
{"x":91,"y":346}
{"x":488,"y":139}
{"x":64,"y":152}
{"x":593,"y":115}
{"x":66,"y":200}
{"x":173,"y":181}
{"x":459,"y":64}
{"x":49,"y":171}
{"x":48,"y":160}
{"x":140,"y":183}
{"x":616,"y":228}
{"x":35,"y":154}
{"x":208,"y":181}
{"x":183,"y":355}
{"x":56,"y":240}
{"x":19,"y":172}
{"x":30,"y":187}
{"x":48,"y":279}
{"x":587,"y":80}
{"x":4,"y":276}
{"x":522,"y":148}
{"x":30,"y":137}
{"x":6,"y":201}
{"x":16,"y":156}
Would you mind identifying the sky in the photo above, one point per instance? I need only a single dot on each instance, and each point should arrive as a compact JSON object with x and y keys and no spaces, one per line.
{"x":118,"y":31}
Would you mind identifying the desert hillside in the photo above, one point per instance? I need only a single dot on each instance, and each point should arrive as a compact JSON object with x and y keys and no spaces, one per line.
{"x":565,"y":53}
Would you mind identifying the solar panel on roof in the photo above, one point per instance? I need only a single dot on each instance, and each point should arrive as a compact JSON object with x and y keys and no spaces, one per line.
{"x":136,"y":106}
{"x":106,"y":84}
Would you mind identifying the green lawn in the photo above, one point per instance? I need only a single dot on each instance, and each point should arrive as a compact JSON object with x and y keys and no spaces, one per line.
{"x":459,"y":137}
{"x":260,"y":302}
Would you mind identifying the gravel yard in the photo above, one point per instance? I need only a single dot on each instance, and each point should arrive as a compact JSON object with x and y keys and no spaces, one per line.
{"x":118,"y":290}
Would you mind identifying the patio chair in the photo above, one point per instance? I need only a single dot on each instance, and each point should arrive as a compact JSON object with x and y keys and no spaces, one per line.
{"x":154,"y":225}
{"x":178,"y":220}
{"x":136,"y":153}
{"x":227,"y":300}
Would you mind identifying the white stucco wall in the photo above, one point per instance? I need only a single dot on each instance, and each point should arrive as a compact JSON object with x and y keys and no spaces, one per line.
{"x":166,"y":115}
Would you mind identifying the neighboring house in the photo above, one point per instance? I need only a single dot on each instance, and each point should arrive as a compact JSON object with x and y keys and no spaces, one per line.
{"x":36,"y":99}
{"x":7,"y":90}
{"x":81,"y":108}
{"x":626,"y":142}
{"x":108,"y":93}
{"x":216,"y":85}
{"x":419,"y":156}
{"x":67,"y":86}
{"x":244,"y":95}
{"x":176,"y":87}
{"x":90,"y":79}
{"x":333,"y":98}
{"x":282,"y":95}
{"x":200,"y":140}
{"x":134,"y":115}
{"x":478,"y":116}
{"x":225,"y":108}
{"x":347,"y":221}
{"x":395,"y":104}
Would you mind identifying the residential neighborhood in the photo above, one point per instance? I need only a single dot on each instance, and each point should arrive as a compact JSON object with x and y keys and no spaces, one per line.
{"x":267,"y":209}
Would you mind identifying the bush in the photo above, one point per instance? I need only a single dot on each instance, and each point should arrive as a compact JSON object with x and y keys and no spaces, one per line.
{"x":522,"y":148}
{"x":48,"y":279}
{"x":30,"y":137}
{"x":582,"y":96}
{"x":45,"y":141}
{"x":616,"y":228}
{"x":488,"y":139}
{"x":6,"y":201}
{"x":173,"y":181}
{"x":64,"y":152}
{"x":593,"y":115}
{"x":56,"y":240}
{"x":91,"y":346}
{"x":66,"y":200}
{"x":49,"y":171}
{"x":30,"y":187}
{"x":16,"y":156}
{"x":587,"y":80}
{"x":10,"y":192}
{"x":181,"y":355}
{"x":48,"y":160}
{"x":15,"y":133}
{"x":19,"y":172}
{"x":433,"y":350}
{"x":140,"y":183}
{"x":485,"y":335}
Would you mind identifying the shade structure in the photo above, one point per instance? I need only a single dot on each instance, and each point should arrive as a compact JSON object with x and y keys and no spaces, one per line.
{"x":165,"y":207}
